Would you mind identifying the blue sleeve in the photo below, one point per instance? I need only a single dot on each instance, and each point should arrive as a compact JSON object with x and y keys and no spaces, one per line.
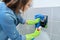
{"x":10,"y":28}
{"x":20,"y":19}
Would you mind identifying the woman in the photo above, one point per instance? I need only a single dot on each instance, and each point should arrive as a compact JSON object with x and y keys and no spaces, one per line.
{"x":10,"y":17}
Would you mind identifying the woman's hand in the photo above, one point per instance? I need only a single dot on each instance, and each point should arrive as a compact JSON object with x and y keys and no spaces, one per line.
{"x":38,"y":29}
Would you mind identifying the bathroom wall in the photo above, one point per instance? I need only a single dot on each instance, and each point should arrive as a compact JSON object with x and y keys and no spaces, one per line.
{"x":53,"y":30}
{"x":46,"y":3}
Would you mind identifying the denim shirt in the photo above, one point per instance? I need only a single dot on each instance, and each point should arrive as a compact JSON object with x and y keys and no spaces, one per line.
{"x":8,"y":23}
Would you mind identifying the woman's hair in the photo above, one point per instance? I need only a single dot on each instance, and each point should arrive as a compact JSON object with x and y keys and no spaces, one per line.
{"x":19,"y":3}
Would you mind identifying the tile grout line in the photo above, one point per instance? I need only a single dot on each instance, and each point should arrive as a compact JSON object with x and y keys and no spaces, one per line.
{"x":51,"y":19}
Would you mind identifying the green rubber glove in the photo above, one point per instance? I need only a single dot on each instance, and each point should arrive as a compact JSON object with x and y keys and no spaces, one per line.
{"x":46,"y":26}
{"x":33,"y":35}
{"x":32,"y":22}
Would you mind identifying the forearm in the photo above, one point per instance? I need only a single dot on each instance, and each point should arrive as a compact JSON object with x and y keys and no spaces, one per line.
{"x":33,"y":35}
{"x":32,"y":22}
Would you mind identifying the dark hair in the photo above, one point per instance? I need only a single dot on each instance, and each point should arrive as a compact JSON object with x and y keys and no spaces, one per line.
{"x":19,"y":3}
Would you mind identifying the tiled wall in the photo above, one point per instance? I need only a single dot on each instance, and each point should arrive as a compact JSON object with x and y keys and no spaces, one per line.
{"x":53,"y":29}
